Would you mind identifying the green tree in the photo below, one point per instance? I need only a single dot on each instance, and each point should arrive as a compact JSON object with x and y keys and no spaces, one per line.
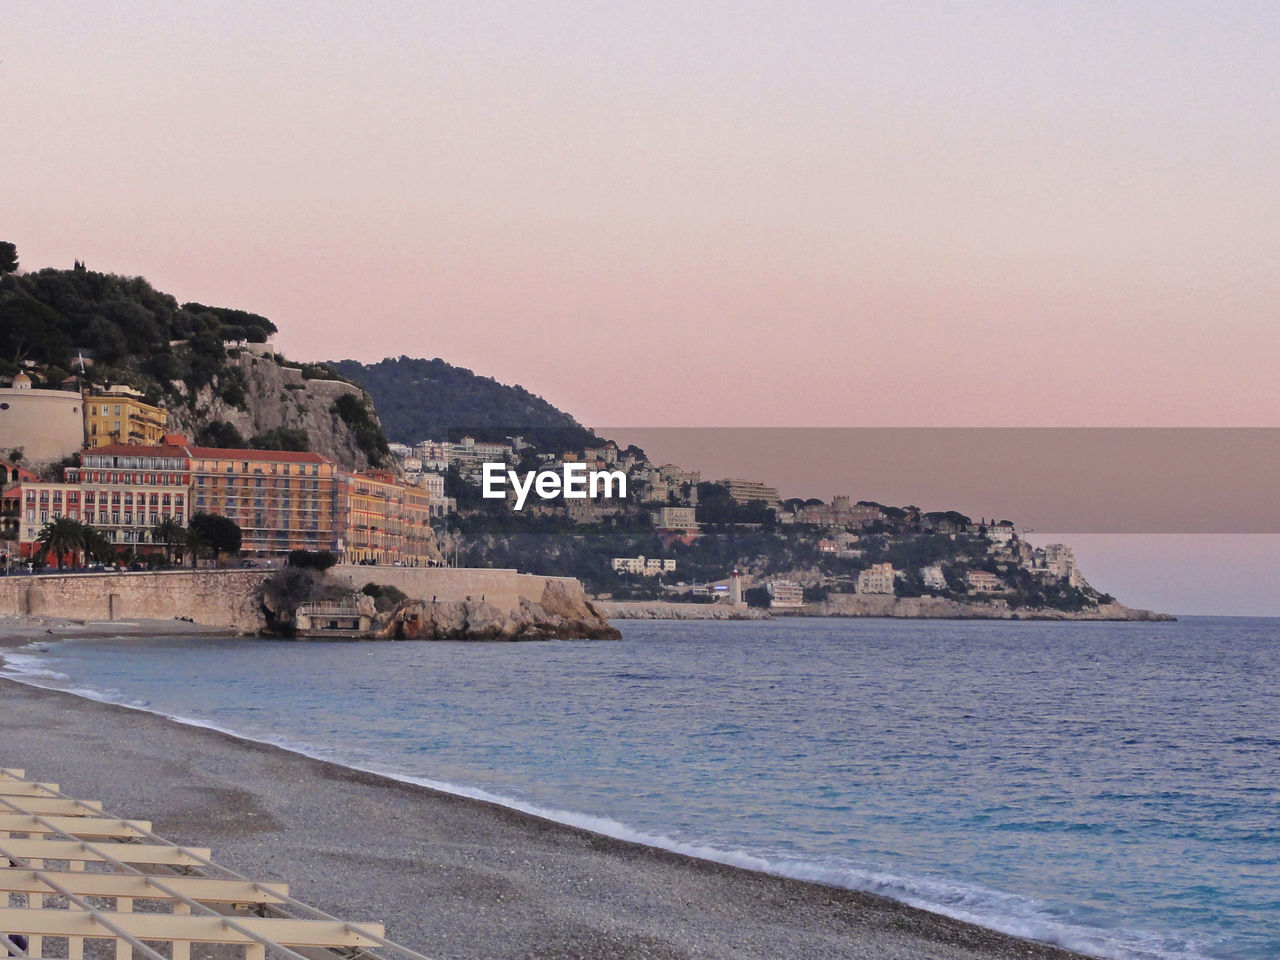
{"x":98,"y":546}
{"x":194,"y":544}
{"x":29,"y":329}
{"x":170,"y":533}
{"x":62,"y":537}
{"x":219,"y":433}
{"x":220,"y":534}
{"x":8,"y":257}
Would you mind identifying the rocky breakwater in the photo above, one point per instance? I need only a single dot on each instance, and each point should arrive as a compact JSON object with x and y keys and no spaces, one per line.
{"x":563,"y":613}
{"x":433,"y":606}
{"x":664,"y":610}
{"x":877,"y":605}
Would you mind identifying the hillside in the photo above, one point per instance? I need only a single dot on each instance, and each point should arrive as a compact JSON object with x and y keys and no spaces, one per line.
{"x":431,"y":399}
{"x":210,"y":367}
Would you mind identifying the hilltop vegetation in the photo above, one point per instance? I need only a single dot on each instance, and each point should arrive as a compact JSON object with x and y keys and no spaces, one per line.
{"x":431,"y":399}
{"x":127,"y":332}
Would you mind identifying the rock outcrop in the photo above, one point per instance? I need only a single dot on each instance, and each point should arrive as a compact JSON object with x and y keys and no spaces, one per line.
{"x":277,"y":397}
{"x":561,"y":615}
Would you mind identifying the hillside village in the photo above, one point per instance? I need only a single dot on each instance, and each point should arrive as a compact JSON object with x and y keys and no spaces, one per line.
{"x":679,"y":537}
{"x":127,"y":420}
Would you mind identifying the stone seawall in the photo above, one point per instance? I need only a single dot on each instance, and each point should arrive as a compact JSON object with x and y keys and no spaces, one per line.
{"x":876,"y":605}
{"x":502,"y":587}
{"x":664,"y":610}
{"x":220,"y":598}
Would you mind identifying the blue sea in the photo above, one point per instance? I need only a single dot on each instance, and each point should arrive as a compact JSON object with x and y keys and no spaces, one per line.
{"x":1114,"y":788}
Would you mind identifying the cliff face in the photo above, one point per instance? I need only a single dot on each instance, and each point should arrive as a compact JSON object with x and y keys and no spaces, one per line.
{"x":277,"y":397}
{"x":563,"y":613}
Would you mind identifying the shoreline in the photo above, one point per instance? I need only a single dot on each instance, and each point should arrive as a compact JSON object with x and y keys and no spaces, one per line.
{"x":575,"y":891}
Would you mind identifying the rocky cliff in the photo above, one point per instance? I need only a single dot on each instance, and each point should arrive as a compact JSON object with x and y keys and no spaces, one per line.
{"x":563,"y":614}
{"x":278,"y":398}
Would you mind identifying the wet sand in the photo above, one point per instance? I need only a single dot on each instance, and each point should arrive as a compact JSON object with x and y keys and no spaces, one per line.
{"x":451,"y":877}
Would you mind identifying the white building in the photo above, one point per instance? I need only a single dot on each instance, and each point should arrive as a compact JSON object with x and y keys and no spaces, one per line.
{"x":877,"y":578}
{"x":44,"y":424}
{"x":933,"y":577}
{"x":676,"y":518}
{"x":644,"y":566}
{"x":1001,"y":532}
{"x":785,"y":593}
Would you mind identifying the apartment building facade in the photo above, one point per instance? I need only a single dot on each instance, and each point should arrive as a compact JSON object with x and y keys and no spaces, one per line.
{"x":118,"y":415}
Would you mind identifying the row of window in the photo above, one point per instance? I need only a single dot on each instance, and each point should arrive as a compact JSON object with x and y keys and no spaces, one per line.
{"x":97,"y":461}
{"x":104,"y":518}
{"x":91,"y":497}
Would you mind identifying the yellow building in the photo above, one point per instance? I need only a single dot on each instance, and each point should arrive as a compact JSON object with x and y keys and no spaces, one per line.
{"x":385,"y":521}
{"x":118,"y":416}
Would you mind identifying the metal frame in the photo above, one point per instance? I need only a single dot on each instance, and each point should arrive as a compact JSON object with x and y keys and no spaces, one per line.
{"x":190,"y":899}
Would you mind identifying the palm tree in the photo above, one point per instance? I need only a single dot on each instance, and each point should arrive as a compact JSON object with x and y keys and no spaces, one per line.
{"x":98,"y":546}
{"x":194,"y":542}
{"x":60,"y":536}
{"x":172,"y":534}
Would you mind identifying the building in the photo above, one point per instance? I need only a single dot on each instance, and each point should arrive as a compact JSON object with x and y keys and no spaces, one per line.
{"x":645,"y":566}
{"x":747,"y":491}
{"x":1001,"y":532}
{"x":35,"y":503}
{"x":126,"y":489}
{"x":933,"y":578}
{"x":785,"y":593}
{"x":980,"y":581}
{"x":839,"y":513}
{"x":676,"y":518}
{"x":281,"y":500}
{"x":384,"y":521}
{"x":43,"y":424}
{"x":119,"y":416}
{"x":877,"y":578}
{"x":1060,"y":560}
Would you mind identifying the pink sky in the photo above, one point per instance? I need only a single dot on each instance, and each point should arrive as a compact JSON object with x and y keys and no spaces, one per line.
{"x":674,"y":214}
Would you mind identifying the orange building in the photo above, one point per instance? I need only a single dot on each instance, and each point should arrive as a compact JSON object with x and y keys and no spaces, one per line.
{"x":385,"y":521}
{"x":280,"y":499}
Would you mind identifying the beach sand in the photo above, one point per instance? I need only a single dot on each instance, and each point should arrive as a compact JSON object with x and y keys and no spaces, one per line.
{"x":451,"y":877}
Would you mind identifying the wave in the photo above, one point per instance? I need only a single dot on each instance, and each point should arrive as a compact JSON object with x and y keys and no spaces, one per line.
{"x":1008,"y":913}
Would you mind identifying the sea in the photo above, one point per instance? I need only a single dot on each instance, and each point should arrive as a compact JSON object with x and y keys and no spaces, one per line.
{"x":1110,"y":787}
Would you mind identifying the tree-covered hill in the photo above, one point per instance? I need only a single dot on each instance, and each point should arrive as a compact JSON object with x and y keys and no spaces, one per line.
{"x":431,"y":399}
{"x":129,"y":331}
{"x":187,"y":357}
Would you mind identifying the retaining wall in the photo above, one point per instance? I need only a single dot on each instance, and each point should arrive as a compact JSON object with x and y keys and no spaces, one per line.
{"x":220,"y":598}
{"x":504,"y":588}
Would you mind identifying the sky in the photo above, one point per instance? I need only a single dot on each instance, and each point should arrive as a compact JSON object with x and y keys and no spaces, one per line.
{"x":660,"y":214}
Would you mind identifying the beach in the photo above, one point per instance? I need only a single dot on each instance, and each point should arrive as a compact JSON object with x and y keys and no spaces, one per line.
{"x":451,"y":877}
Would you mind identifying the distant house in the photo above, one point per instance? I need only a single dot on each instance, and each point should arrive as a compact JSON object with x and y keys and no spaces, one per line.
{"x":645,"y":566}
{"x":980,"y":581}
{"x":785,"y":593}
{"x":933,"y":578}
{"x":1001,"y":532}
{"x":877,"y":578}
{"x":675,"y":518}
